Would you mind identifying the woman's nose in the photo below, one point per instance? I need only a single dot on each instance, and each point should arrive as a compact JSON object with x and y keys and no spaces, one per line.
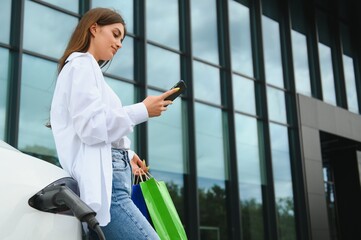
{"x":119,"y":44}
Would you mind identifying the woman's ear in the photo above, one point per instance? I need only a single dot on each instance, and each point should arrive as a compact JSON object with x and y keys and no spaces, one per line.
{"x":93,"y":29}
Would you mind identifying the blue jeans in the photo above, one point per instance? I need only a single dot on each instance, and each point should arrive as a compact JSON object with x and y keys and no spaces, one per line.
{"x":127,"y":222}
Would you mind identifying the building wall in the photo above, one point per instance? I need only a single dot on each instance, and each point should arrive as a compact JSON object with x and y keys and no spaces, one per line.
{"x":230,"y":148}
{"x":317,"y":116}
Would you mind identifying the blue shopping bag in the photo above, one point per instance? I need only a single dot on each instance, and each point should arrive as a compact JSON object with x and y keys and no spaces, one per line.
{"x":138,"y":198}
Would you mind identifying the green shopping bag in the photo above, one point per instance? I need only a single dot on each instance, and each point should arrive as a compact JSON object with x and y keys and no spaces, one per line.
{"x":162,"y":211}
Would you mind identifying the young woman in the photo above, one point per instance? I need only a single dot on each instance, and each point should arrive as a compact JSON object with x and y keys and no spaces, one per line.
{"x":90,"y":125}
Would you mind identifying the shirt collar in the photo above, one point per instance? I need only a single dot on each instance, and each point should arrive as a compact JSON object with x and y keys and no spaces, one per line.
{"x":78,"y":54}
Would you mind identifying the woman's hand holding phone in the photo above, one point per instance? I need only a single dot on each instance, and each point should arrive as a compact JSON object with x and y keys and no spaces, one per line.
{"x":157,"y":104}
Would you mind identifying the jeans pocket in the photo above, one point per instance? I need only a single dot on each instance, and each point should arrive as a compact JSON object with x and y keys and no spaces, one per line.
{"x":120,"y":165}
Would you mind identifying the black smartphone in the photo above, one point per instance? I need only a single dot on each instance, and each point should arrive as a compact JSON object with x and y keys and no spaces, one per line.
{"x":182,"y":87}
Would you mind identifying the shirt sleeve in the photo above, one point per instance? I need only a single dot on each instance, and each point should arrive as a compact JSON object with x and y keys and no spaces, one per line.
{"x":131,"y":154}
{"x":94,"y":121}
{"x":138,"y":113}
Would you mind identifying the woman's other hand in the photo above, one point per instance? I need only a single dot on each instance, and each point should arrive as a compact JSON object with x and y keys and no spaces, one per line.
{"x":157,"y":104}
{"x":138,"y":165}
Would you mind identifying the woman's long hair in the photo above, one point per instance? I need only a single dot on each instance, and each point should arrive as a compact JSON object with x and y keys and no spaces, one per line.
{"x":80,"y":39}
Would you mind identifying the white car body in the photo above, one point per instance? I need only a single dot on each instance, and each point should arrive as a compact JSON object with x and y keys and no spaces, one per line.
{"x":22,"y":176}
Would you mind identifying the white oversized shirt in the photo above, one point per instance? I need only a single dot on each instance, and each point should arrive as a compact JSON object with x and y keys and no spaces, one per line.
{"x":87,"y":120}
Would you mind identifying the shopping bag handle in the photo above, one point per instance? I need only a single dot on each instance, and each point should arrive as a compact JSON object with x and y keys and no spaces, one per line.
{"x":143,"y":176}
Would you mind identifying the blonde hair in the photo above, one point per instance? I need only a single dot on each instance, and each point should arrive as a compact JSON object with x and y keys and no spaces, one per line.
{"x":80,"y":39}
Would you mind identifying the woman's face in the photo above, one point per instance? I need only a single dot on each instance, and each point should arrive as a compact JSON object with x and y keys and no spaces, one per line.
{"x":106,"y":40}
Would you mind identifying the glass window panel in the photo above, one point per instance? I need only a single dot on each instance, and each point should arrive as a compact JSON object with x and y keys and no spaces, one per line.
{"x":124,"y":7}
{"x":125,"y":92}
{"x":325,"y":55}
{"x":348,"y":67}
{"x":212,"y":209}
{"x":299,"y":48}
{"x":4,"y":79}
{"x":327,"y":79}
{"x":209,"y":142}
{"x":43,"y":33}
{"x":285,"y":210}
{"x":282,"y":181}
{"x":276,"y":105}
{"x":300,"y":61}
{"x":280,"y":152}
{"x":5,"y":19}
{"x":249,"y":176}
{"x":165,"y":140}
{"x":240,"y":34}
{"x":248,"y":159}
{"x":244,"y":95}
{"x":37,"y":87}
{"x":350,"y":84}
{"x":204,"y":30}
{"x":252,"y":211}
{"x":122,"y":64}
{"x":163,"y":67}
{"x":206,"y":83}
{"x":164,"y":29}
{"x":70,"y":5}
{"x":272,"y":51}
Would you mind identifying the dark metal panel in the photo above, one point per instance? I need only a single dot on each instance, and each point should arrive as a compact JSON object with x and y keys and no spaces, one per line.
{"x":190,"y":179}
{"x":232,"y":188}
{"x":337,"y":62}
{"x":312,"y":42}
{"x":16,"y":42}
{"x":270,"y":220}
{"x":140,"y":70}
{"x":297,"y":168}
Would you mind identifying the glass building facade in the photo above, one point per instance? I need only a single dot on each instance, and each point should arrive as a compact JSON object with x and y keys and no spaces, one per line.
{"x":232,"y":149}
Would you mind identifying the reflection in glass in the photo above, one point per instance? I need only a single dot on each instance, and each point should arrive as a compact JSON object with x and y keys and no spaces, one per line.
{"x":280,"y":152}
{"x":4,"y":75}
{"x":43,"y":33}
{"x":272,"y":51}
{"x":248,"y":159}
{"x":240,"y":34}
{"x":251,"y":211}
{"x":70,"y":5}
{"x":163,"y":22}
{"x":163,"y":67}
{"x":212,"y":209}
{"x":37,"y":86}
{"x":249,"y":176}
{"x":165,"y":139}
{"x":244,"y":95}
{"x":300,"y":61}
{"x":204,"y":30}
{"x":282,"y":181}
{"x":276,"y":105}
{"x":209,"y":142}
{"x":206,"y":83}
{"x":328,"y":83}
{"x":122,"y":64}
{"x":125,"y":92}
{"x":350,"y":82}
{"x":5,"y":14}
{"x":330,"y":194}
{"x":124,"y":7}
{"x":349,"y":71}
